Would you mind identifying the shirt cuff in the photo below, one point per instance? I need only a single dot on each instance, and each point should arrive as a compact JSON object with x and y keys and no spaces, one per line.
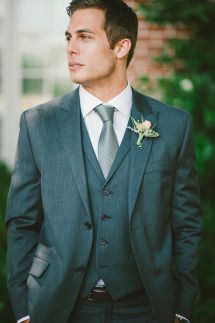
{"x":24,"y":319}
{"x":182,"y":318}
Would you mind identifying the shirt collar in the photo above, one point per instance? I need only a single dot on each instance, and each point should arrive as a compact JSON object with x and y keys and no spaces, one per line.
{"x":122,"y":102}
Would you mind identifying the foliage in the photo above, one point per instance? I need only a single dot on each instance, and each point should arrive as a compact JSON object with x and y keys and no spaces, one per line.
{"x":5,"y":310}
{"x":192,"y":86}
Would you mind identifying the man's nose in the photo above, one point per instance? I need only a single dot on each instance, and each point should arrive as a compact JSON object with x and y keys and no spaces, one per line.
{"x":72,"y":47}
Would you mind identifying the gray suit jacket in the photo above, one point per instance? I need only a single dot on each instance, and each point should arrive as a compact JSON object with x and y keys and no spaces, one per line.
{"x":48,"y":244}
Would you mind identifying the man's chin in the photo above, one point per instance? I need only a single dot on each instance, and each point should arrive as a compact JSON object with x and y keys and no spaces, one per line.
{"x":81,"y":80}
{"x":73,"y":79}
{"x":77,"y":77}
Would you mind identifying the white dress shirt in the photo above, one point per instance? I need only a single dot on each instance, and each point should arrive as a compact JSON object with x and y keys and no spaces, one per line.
{"x":122,"y":103}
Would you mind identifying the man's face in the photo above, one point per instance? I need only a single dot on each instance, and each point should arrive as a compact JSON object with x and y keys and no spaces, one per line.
{"x":90,"y":59}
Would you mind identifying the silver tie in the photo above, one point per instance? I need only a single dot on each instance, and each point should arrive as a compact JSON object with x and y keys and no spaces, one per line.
{"x":108,"y":144}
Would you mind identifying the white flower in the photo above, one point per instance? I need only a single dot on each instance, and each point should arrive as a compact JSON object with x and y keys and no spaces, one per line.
{"x":145,"y":125}
{"x":186,"y":85}
{"x":143,"y":129}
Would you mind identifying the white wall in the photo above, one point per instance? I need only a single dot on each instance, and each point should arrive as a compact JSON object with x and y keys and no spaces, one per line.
{"x":32,"y":28}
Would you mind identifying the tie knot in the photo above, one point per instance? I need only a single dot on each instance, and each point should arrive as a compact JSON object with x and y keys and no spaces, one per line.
{"x":105,"y":112}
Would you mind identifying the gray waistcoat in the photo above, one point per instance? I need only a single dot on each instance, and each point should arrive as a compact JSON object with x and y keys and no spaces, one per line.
{"x":112,"y":257}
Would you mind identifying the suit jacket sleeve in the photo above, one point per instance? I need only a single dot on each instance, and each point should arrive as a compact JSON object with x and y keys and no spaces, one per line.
{"x":186,"y":223}
{"x":23,"y":218}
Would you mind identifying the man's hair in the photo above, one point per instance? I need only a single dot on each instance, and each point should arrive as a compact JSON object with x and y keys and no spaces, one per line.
{"x":120,"y":20}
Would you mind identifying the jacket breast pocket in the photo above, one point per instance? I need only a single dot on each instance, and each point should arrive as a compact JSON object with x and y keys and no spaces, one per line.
{"x":163,"y":165}
{"x":158,"y":179}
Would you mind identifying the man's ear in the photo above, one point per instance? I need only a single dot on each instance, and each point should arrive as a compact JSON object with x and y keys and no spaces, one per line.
{"x":122,"y":48}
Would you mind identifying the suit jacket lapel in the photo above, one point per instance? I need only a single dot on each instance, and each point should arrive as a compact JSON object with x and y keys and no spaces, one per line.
{"x":139,"y":157}
{"x":69,"y":125}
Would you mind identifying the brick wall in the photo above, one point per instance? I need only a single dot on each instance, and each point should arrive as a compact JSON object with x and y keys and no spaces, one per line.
{"x":151,"y":40}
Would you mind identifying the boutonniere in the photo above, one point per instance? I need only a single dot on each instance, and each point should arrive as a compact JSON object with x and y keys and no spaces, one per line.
{"x":143,"y":129}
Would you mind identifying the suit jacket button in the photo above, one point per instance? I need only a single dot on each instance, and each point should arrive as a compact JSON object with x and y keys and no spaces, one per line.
{"x":88,"y":225}
{"x":105,"y":192}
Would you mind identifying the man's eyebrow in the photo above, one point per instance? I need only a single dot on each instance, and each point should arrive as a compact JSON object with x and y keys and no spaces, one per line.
{"x":79,"y":31}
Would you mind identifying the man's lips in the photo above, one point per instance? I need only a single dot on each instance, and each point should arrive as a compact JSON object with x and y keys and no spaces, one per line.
{"x":74,"y":66}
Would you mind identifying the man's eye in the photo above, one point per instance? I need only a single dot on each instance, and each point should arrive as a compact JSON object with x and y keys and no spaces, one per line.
{"x":67,"y":39}
{"x":85,"y":37}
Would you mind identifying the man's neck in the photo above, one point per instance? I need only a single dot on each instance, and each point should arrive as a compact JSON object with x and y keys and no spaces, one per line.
{"x":106,"y":93}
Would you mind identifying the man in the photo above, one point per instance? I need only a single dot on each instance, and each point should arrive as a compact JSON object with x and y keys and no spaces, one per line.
{"x":103,"y":222}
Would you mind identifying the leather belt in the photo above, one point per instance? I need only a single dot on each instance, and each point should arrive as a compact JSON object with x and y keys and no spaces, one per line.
{"x":100,"y":294}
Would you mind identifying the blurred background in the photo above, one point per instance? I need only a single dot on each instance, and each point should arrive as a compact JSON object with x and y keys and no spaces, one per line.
{"x":174,"y":61}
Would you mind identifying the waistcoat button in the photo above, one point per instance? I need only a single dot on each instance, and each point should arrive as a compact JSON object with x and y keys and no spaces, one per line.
{"x":102,"y":242}
{"x":79,"y":270}
{"x":105,"y":217}
{"x":103,"y":266}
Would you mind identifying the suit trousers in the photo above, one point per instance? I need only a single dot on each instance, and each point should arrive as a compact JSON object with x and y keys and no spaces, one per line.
{"x":136,"y":310}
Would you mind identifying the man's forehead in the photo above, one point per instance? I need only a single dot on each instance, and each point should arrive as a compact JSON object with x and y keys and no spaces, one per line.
{"x":90,"y":18}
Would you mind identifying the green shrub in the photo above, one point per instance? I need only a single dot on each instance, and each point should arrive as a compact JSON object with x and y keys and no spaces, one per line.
{"x":6,"y":315}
